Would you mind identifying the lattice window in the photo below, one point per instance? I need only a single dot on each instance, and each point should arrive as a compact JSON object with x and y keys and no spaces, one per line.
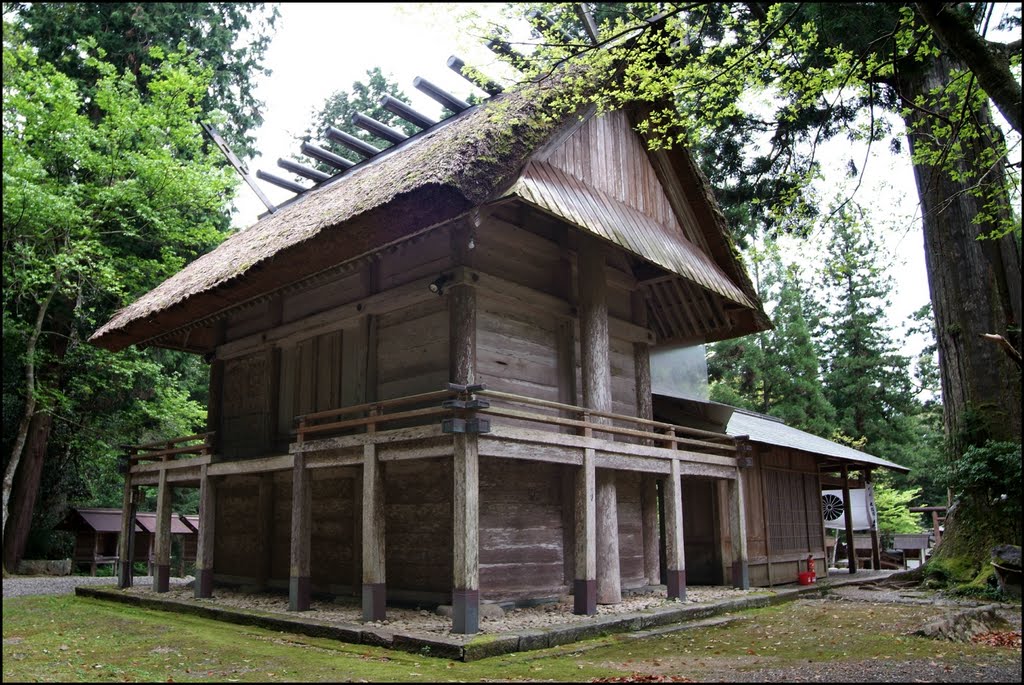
{"x":794,"y":512}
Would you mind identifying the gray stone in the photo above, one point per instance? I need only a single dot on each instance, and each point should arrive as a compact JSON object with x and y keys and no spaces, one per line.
{"x":486,"y":646}
{"x":487,"y":610}
{"x":44,"y":567}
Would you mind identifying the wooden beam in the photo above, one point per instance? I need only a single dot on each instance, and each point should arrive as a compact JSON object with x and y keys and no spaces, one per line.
{"x":851,"y":552}
{"x":124,"y":543}
{"x":585,"y":581}
{"x":203,"y":586}
{"x":299,"y":588}
{"x":374,"y":577}
{"x":162,"y":536}
{"x":281,"y":462}
{"x":399,"y":108}
{"x":447,"y":100}
{"x":675,"y":558}
{"x":738,"y":533}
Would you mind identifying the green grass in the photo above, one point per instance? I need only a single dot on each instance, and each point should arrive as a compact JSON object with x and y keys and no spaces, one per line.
{"x":79,"y":639}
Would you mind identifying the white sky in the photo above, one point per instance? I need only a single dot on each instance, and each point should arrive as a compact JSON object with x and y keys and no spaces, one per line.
{"x":318,"y":49}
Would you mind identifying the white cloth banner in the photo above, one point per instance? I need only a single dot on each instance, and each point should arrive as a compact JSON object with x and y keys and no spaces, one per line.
{"x":862,"y":502}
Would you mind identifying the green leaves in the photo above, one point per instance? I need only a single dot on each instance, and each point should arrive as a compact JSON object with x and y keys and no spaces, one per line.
{"x":105,"y":195}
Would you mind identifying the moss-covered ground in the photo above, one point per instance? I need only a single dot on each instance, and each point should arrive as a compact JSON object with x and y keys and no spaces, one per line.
{"x":69,"y":638}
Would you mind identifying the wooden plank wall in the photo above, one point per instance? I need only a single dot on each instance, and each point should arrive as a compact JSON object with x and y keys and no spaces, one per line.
{"x":412,"y":350}
{"x":418,"y":525}
{"x":631,"y":540}
{"x":234,"y":523}
{"x":521,"y":529}
{"x":783,"y":498}
{"x":246,"y":424}
{"x":605,"y":153}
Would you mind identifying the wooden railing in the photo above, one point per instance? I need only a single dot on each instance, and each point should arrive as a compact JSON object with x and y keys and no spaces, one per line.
{"x":374,"y":416}
{"x":166,"y":450}
{"x":656,"y":433}
{"x":371,"y":416}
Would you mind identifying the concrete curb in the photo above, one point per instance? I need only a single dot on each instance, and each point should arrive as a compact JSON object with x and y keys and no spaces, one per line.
{"x":480,"y":647}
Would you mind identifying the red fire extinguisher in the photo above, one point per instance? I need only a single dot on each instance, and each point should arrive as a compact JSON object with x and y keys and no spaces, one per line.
{"x":810,"y":565}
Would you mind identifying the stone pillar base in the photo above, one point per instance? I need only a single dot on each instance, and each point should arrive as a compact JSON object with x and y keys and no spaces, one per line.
{"x":740,"y":575}
{"x":676,"y":582}
{"x":584,"y":597}
{"x":162,"y":578}
{"x":299,"y":591}
{"x":374,"y":601}
{"x":203,"y":585}
{"x":465,"y":611}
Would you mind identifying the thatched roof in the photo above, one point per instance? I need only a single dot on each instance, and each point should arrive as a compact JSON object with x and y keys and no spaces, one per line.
{"x":430,"y":179}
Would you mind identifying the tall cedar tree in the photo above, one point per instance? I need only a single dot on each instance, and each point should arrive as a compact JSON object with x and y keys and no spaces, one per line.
{"x":867,"y":380}
{"x":230,"y":38}
{"x":776,"y":372}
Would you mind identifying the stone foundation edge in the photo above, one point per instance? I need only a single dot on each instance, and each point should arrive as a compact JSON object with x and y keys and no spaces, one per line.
{"x":481,"y":647}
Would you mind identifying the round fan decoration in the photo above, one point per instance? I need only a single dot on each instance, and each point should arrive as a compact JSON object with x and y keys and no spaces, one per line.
{"x":831,"y":507}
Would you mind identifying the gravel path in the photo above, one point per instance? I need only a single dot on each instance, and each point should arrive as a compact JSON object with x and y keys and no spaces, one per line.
{"x":18,"y":586}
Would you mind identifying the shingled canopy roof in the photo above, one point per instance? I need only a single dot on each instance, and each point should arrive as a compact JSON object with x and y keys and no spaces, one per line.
{"x":430,"y":179}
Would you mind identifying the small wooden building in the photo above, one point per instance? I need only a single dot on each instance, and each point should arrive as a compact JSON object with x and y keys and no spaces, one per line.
{"x":430,"y":375}
{"x":98,"y":530}
{"x":783,"y":486}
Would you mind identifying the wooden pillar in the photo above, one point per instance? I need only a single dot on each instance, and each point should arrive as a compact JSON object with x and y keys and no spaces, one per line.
{"x":264,"y":524}
{"x":299,"y":589}
{"x":738,"y":533}
{"x":648,"y":483}
{"x":584,"y":588}
{"x":374,"y":581}
{"x":125,"y":548}
{"x":597,"y":394}
{"x":466,"y":470}
{"x":609,"y":584}
{"x":649,"y":524}
{"x":466,"y":525}
{"x":162,"y":542}
{"x":675,"y":558}
{"x":876,"y":554}
{"x":851,"y":551}
{"x":203,"y":586}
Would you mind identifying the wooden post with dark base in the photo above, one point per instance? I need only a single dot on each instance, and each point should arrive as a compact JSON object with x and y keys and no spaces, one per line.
{"x":595,"y":372}
{"x":675,"y":558}
{"x":584,"y":588}
{"x":374,"y":582}
{"x":465,"y":468}
{"x":738,"y":533}
{"x":125,"y":545}
{"x":299,"y":589}
{"x":203,"y":586}
{"x":466,"y":529}
{"x":162,"y":542}
{"x":851,"y":551}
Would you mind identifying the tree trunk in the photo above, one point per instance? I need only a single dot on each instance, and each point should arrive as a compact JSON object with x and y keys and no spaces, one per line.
{"x":25,"y":488}
{"x":974,"y":284}
{"x":25,"y":426}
